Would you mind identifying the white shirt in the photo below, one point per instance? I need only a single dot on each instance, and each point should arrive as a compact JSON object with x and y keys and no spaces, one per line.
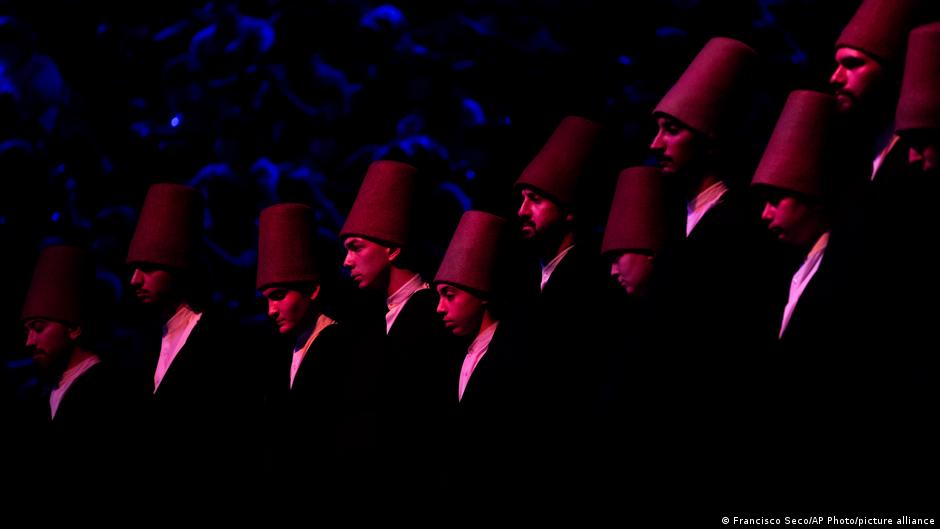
{"x":876,"y":164}
{"x":397,"y":301}
{"x":802,"y":278}
{"x":304,"y":341}
{"x":175,"y":333}
{"x":474,"y":354}
{"x":704,"y":201}
{"x":552,"y":265}
{"x":71,"y":374}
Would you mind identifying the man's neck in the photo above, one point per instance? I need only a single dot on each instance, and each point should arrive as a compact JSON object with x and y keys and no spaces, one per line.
{"x":553,"y":248}
{"x":305,"y":329}
{"x":823,"y":229}
{"x":485,"y":323}
{"x":170,"y":309}
{"x":75,"y":357}
{"x":708,"y":179}
{"x":79,"y":355}
{"x":883,"y":137}
{"x":397,"y":278}
{"x":874,"y":127}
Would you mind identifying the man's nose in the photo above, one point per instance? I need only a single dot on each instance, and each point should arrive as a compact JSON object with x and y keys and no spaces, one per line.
{"x":838,"y":77}
{"x":658,"y":144}
{"x":768,"y":213}
{"x":525,"y":209}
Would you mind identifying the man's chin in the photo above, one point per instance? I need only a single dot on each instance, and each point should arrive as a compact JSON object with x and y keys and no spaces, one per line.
{"x":844,"y":103}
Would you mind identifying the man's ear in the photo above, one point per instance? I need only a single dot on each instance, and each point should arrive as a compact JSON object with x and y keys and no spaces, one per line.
{"x":393,"y":254}
{"x":315,"y":293}
{"x":75,"y":332}
{"x":569,"y":218}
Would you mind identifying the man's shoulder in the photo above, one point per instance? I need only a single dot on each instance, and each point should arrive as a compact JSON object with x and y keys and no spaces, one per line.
{"x":422,"y":301}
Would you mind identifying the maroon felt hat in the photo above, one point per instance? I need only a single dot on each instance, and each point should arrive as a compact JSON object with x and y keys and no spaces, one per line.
{"x":471,"y":257}
{"x":637,"y":219}
{"x":59,"y":288}
{"x":919,"y":106}
{"x":169,"y":229}
{"x":286,"y":234}
{"x":563,"y":160}
{"x":711,"y":94}
{"x":795,"y":156}
{"x":382,"y":210}
{"x":880,"y":28}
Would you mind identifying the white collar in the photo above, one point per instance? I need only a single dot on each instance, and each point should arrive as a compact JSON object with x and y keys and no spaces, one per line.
{"x":702,"y":203}
{"x":406,"y":291}
{"x":184,"y":315}
{"x":550,"y":267}
{"x":482,"y":341}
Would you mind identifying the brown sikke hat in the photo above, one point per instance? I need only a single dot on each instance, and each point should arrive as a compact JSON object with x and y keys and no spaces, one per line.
{"x":286,"y":235}
{"x":711,"y":94}
{"x":472,"y":255}
{"x":563,"y":160}
{"x":795,"y":157}
{"x":880,"y":28}
{"x":59,"y":288}
{"x":169,"y":229}
{"x":637,"y":219}
{"x":382,"y":210}
{"x":919,"y":106}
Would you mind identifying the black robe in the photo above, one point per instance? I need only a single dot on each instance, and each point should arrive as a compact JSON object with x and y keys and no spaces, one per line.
{"x":201,"y":427}
{"x":414,"y":396}
{"x":494,"y":441}
{"x":82,"y":454}
{"x":320,"y":431}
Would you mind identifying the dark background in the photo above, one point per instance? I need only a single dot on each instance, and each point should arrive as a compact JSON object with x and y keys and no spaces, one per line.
{"x":258,"y":102}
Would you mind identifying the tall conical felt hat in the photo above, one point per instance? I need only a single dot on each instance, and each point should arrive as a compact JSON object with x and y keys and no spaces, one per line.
{"x":383,"y":207}
{"x":472,"y":255}
{"x":169,"y":229}
{"x":286,"y":235}
{"x":563,"y":160}
{"x":59,"y":288}
{"x":637,"y":219}
{"x":919,"y":105}
{"x":880,"y":28}
{"x":795,"y":157}
{"x":712,"y":93}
